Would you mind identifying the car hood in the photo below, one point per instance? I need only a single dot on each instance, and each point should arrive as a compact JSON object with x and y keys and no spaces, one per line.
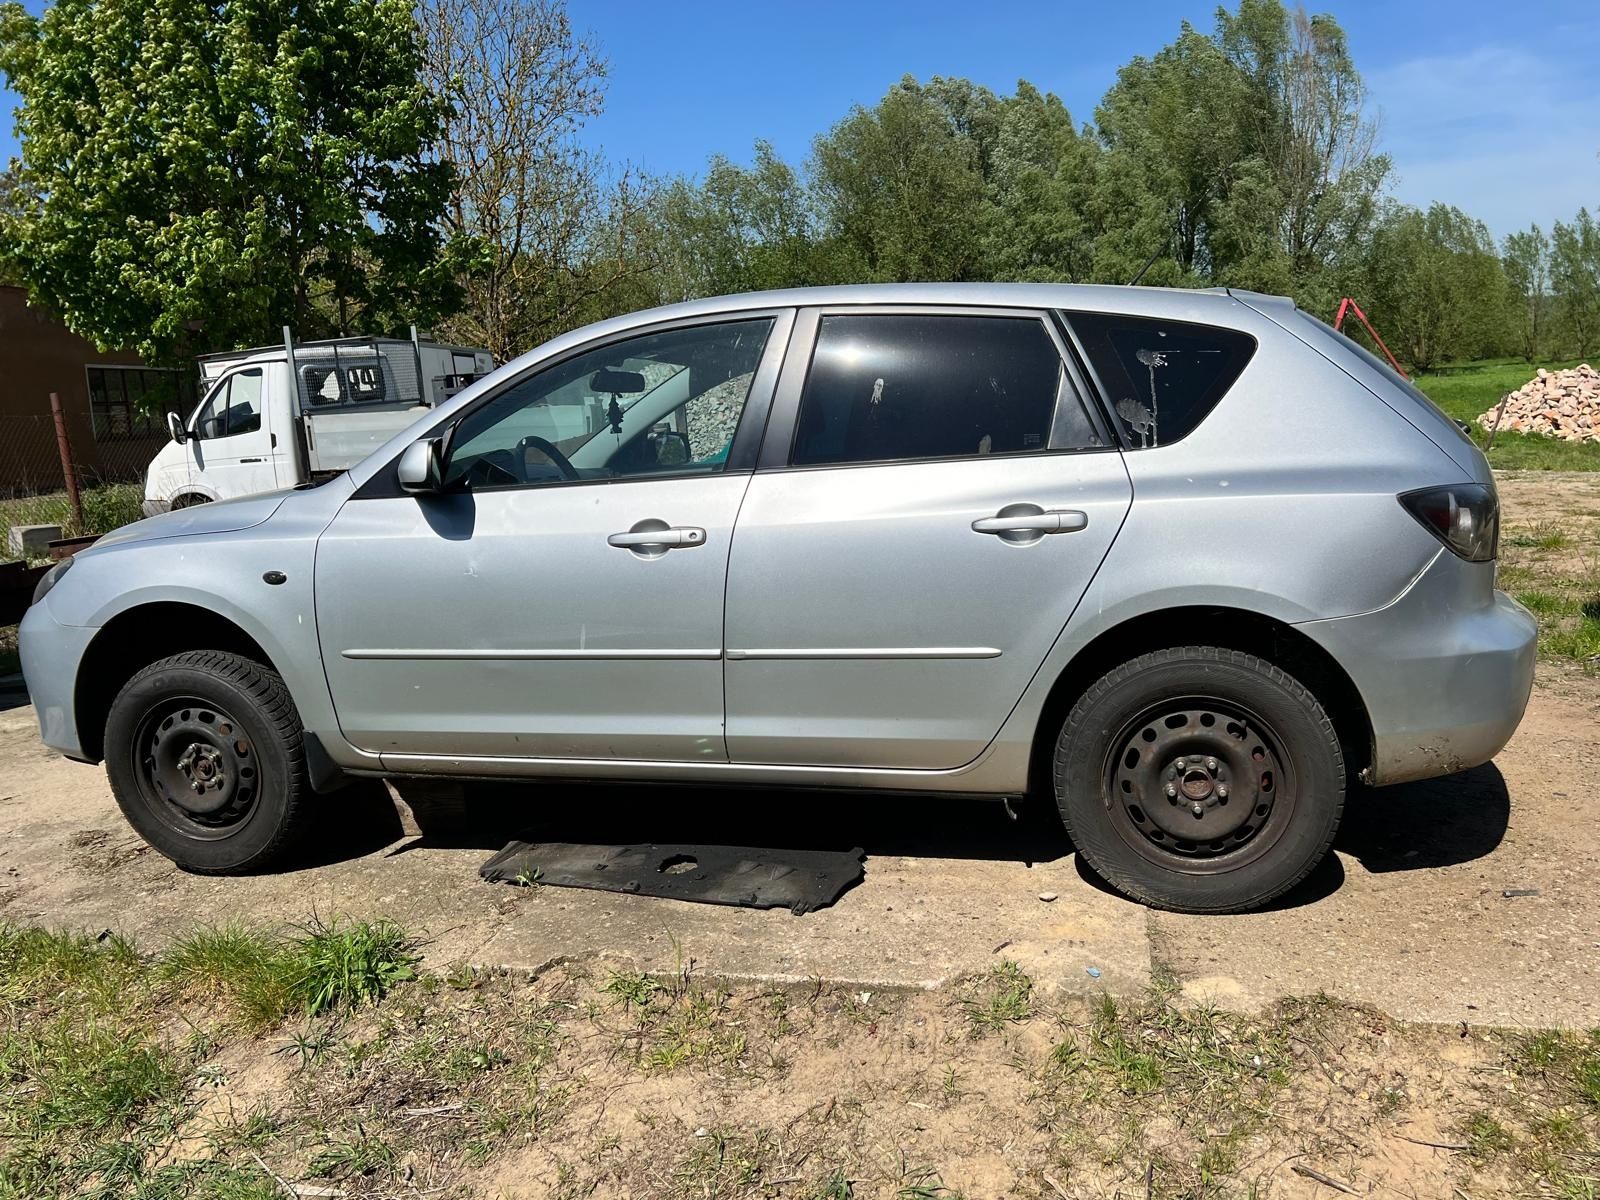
{"x":223,"y":516}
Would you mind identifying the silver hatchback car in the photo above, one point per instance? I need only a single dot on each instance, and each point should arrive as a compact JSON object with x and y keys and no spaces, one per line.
{"x":1192,"y":561}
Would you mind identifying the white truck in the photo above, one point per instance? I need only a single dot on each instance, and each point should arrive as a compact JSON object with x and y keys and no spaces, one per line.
{"x":279,"y":416}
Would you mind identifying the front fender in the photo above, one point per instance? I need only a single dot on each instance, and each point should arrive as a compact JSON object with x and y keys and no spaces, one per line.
{"x":224,"y":573}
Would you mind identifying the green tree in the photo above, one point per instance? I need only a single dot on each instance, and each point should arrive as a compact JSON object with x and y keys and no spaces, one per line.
{"x":197,"y":172}
{"x":1575,"y":279}
{"x":1305,"y":121}
{"x":740,"y":229}
{"x":1173,"y":126}
{"x":1526,"y":257}
{"x":900,"y":186}
{"x":554,"y":228}
{"x":1246,"y":155}
{"x":1437,"y":287}
{"x":10,"y":203}
{"x":1042,"y":174}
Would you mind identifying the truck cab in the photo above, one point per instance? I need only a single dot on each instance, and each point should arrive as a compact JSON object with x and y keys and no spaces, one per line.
{"x":276,"y":417}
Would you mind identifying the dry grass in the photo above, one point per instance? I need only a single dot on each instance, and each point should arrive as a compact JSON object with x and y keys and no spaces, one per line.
{"x":132,"y":1076}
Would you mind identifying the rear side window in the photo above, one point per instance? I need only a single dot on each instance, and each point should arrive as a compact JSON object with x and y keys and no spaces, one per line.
{"x":1161,"y":378}
{"x":890,"y":387}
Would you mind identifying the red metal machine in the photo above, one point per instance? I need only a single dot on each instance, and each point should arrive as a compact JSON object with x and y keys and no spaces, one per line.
{"x":1349,"y":305}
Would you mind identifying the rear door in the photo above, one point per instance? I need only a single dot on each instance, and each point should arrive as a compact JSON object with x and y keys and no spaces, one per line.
{"x":934,"y":496}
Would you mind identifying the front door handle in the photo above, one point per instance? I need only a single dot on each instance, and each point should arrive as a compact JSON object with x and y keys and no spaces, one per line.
{"x":657,"y":536}
{"x":1029,"y":522}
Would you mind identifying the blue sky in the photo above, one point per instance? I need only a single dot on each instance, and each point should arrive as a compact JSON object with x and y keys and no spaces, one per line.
{"x":1489,"y":106}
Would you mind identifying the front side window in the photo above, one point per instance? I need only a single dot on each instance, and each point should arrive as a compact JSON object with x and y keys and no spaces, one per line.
{"x":892,"y":387}
{"x":1161,"y":378}
{"x":233,"y":408}
{"x":663,"y":403}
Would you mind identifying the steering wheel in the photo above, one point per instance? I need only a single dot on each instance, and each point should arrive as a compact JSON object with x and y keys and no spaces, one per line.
{"x":547,"y":448}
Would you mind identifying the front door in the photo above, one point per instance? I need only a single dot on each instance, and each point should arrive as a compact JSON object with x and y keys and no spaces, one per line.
{"x":231,"y":444}
{"x":562,"y":598}
{"x":904,"y":562}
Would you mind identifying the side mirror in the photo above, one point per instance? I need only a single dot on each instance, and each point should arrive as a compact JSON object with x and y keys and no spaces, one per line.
{"x":672,"y":448}
{"x":421,"y":466}
{"x":176,"y":429}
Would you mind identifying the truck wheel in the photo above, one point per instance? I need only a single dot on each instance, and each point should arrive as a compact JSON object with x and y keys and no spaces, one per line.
{"x":1200,"y":779}
{"x":205,"y":758}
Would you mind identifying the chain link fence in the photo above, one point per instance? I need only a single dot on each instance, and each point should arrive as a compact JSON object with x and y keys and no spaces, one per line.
{"x":109,"y":471}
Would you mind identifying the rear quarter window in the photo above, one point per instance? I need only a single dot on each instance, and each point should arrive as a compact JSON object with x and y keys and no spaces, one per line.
{"x":1160,"y":378}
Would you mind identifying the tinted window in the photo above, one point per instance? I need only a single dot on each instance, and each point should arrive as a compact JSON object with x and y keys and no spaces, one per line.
{"x":1161,"y":378}
{"x":900,"y":387}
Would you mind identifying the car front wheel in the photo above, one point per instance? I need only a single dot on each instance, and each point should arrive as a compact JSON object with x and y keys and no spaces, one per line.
{"x":1200,"y":779}
{"x":205,"y":755}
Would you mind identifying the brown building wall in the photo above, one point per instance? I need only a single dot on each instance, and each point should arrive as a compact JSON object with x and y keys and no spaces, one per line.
{"x":39,"y":355}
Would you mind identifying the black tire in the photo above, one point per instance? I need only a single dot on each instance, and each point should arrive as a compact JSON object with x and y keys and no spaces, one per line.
{"x":206,"y":759}
{"x":1200,"y":780}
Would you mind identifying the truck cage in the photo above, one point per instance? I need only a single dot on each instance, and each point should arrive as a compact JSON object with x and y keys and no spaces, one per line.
{"x":366,"y":372}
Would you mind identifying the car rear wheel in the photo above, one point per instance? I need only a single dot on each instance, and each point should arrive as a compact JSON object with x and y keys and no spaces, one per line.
{"x":205,"y":755}
{"x":1200,"y":779}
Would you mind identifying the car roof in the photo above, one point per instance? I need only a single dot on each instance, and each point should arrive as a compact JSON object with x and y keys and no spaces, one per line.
{"x":1212,"y":304}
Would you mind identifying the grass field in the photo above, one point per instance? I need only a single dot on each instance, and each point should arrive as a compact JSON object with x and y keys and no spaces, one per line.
{"x":244,"y":1065}
{"x":1550,"y":560}
{"x":1466,"y":390}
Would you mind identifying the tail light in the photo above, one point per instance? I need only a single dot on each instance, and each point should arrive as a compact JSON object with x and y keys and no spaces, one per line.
{"x":1464,"y":516}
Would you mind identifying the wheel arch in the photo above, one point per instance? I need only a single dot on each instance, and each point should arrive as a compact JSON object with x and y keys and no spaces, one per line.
{"x":1255,"y":633}
{"x":137,"y":637}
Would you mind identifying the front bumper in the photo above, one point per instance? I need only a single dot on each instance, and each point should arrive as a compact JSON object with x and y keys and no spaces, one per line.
{"x":154,"y":508}
{"x":51,"y":653}
{"x":1445,"y":670}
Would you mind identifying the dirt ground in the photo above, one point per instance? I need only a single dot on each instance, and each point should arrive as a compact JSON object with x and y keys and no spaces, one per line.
{"x":1412,"y":914}
{"x":943,"y":1030}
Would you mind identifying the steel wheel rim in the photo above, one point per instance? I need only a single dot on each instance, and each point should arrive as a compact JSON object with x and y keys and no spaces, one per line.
{"x":1200,"y":753}
{"x":197,"y":767}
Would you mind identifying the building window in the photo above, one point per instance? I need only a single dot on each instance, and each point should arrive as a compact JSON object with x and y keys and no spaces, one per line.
{"x":133,"y":402}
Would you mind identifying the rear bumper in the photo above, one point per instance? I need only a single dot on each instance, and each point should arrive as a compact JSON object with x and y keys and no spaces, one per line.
{"x":51,"y":653}
{"x":1445,"y":670}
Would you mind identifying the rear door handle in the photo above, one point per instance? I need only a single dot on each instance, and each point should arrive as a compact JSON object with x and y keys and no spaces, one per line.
{"x":1023,"y":522}
{"x":653,"y":534}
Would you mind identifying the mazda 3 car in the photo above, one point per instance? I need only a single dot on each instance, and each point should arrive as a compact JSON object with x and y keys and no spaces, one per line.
{"x":1189,"y":564}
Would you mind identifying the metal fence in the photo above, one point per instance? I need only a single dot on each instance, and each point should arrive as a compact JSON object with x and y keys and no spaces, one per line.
{"x":36,"y":486}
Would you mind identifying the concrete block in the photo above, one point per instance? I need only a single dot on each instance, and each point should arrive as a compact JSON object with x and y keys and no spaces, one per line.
{"x":31,"y":541}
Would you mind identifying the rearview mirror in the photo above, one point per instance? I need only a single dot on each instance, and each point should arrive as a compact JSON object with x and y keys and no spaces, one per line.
{"x":176,"y":429}
{"x":607,"y":382}
{"x":419,"y":468}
